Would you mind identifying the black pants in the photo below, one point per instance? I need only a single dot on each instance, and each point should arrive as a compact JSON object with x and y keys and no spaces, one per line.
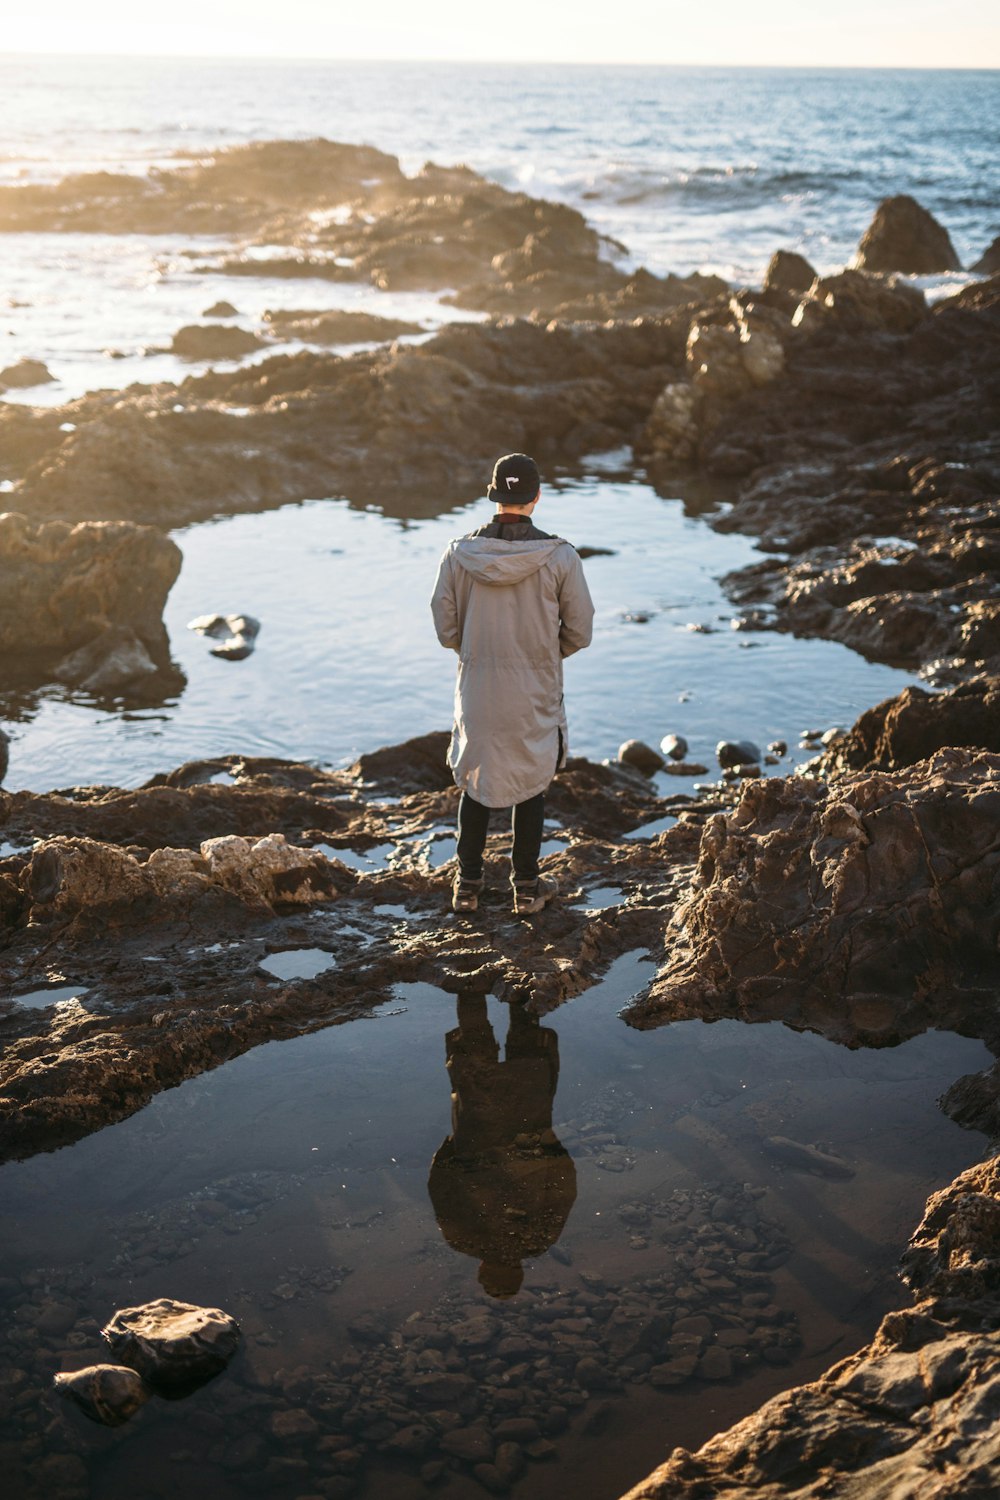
{"x":473,"y":823}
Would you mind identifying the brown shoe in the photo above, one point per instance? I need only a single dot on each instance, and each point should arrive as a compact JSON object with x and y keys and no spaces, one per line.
{"x":465,"y":893}
{"x":532,"y":895}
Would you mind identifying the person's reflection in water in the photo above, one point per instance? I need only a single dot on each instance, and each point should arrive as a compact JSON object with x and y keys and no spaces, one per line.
{"x":501,"y":1184}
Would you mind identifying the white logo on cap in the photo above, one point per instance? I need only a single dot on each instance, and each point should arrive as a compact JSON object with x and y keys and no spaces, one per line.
{"x":511,"y":479}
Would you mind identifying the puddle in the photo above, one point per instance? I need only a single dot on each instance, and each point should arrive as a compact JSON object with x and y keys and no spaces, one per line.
{"x":401,"y":912}
{"x":601,"y":897}
{"x":375,"y":858}
{"x":6,"y":849}
{"x":650,"y":830}
{"x":369,"y":1232}
{"x":49,"y":995}
{"x":298,"y":963}
{"x":439,"y":851}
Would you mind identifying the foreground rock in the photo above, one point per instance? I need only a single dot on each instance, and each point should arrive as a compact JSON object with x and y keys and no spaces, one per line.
{"x":868,"y":903}
{"x":109,"y":1394}
{"x":174,"y":1346}
{"x":910,"y":1415}
{"x":83,"y":604}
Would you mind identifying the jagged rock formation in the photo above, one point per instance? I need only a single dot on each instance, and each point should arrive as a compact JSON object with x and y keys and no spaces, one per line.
{"x":913,"y":725}
{"x":866,"y":908}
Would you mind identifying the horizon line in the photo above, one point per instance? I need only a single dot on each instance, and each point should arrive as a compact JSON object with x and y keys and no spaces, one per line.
{"x":540,"y":62}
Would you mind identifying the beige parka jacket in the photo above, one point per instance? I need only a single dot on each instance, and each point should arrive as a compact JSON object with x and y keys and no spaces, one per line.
{"x":512,"y":610}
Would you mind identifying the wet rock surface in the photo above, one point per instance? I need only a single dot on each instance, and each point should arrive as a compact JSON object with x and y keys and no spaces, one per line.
{"x":109,"y":1394}
{"x":867,"y":905}
{"x":911,"y":1413}
{"x":304,"y":424}
{"x":174,"y":1346}
{"x":83,"y":603}
{"x":914,"y":725}
{"x":165,"y":868}
{"x":864,"y":460}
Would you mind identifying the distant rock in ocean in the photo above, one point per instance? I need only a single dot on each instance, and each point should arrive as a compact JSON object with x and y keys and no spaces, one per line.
{"x":903,"y":236}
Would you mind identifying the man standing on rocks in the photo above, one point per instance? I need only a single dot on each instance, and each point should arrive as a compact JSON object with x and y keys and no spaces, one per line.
{"x":512,"y":601}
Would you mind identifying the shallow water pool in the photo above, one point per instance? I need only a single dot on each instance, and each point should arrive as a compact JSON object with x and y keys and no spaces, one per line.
{"x":347,"y":661}
{"x":574,"y":1238}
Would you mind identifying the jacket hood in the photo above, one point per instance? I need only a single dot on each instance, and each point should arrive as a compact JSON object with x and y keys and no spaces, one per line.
{"x":492,"y":561}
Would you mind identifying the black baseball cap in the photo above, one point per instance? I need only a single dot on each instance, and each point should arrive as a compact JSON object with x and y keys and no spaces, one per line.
{"x":516,"y":480}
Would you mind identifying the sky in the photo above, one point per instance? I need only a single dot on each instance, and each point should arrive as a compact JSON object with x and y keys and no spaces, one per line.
{"x":845,"y":33}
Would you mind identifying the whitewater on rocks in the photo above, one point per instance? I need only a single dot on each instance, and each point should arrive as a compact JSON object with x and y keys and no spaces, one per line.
{"x":839,"y":900}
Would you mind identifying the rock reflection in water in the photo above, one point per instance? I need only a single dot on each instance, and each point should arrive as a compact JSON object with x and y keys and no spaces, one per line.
{"x":501,"y":1184}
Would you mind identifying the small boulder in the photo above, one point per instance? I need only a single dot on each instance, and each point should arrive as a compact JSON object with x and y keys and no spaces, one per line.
{"x":988,"y":263}
{"x":175,"y":1346}
{"x":221,"y":310}
{"x":109,"y":1394}
{"x":4,"y":754}
{"x":640,"y":755}
{"x":27,"y":372}
{"x":674,"y":745}
{"x":788,"y":272}
{"x":903,"y":236}
{"x":237,"y":633}
{"x":737,"y":753}
{"x":214,"y":341}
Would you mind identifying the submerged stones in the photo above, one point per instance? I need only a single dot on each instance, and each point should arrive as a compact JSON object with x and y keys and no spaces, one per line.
{"x":175,"y":1346}
{"x":879,"y":1421}
{"x":109,"y":1394}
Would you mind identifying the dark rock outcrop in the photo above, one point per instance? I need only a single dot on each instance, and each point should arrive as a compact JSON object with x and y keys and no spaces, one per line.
{"x":915,"y":724}
{"x":903,"y":236}
{"x":307,"y":424}
{"x":117,"y":875}
{"x":214,"y":341}
{"x":988,"y":263}
{"x":911,"y":1414}
{"x":26,"y":373}
{"x":83,"y":603}
{"x":787,"y":272}
{"x":862,"y":902}
{"x":336,"y":326}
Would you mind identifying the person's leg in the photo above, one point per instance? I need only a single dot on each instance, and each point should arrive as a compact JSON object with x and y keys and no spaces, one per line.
{"x":473,"y":824}
{"x":528,"y":819}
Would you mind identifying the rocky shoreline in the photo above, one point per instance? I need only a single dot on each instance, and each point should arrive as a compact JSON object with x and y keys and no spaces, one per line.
{"x":849,"y":426}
